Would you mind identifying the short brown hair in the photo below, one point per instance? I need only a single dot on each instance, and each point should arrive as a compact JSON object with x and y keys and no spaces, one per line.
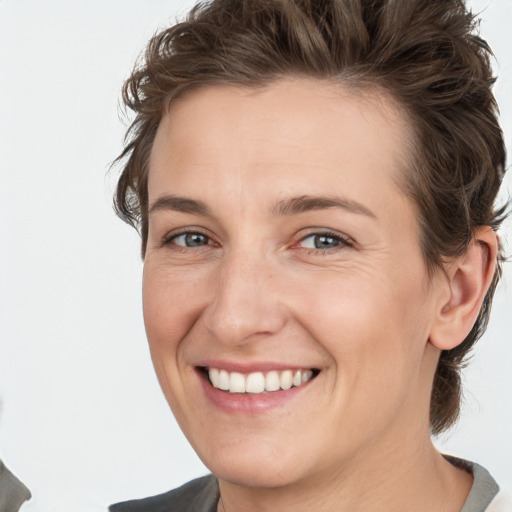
{"x":425,"y":53}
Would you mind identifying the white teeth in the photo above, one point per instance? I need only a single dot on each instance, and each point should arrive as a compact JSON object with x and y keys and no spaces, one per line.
{"x":213,"y":373}
{"x":272,"y":381}
{"x":306,"y":376}
{"x":223,"y":380}
{"x":236,"y":383}
{"x":286,"y":379}
{"x":257,"y":382}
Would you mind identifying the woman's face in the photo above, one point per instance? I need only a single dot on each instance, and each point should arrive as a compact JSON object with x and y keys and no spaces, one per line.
{"x":282,"y":252}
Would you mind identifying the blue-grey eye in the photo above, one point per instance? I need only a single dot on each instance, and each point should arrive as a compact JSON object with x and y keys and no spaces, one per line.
{"x":191,"y":240}
{"x":321,"y":242}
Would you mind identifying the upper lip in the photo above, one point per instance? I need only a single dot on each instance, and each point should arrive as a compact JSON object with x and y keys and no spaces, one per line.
{"x":251,"y":367}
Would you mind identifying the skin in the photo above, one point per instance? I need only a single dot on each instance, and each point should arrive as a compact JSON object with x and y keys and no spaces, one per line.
{"x":363,"y":310}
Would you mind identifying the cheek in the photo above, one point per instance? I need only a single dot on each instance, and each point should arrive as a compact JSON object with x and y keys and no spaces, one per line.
{"x":169,"y":301}
{"x":376,"y":340}
{"x":170,"y":306}
{"x":375,"y":328}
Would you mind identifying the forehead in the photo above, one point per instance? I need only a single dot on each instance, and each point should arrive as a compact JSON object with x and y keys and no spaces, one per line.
{"x":291,"y":133}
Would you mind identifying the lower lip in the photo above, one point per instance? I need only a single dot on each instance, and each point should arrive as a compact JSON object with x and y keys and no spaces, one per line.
{"x":248,"y":403}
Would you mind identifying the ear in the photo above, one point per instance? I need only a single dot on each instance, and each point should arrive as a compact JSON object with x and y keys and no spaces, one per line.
{"x":467,"y":280}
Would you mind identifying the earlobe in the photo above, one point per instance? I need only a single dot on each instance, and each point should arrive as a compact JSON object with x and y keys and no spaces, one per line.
{"x":467,"y":280}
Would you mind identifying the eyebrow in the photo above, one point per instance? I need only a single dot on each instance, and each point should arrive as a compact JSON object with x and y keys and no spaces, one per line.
{"x":180,"y":204}
{"x":307,"y":203}
{"x":291,"y":206}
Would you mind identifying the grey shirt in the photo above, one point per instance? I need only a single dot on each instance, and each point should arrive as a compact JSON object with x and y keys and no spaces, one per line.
{"x":482,"y":492}
{"x":202,"y":494}
{"x":12,"y":492}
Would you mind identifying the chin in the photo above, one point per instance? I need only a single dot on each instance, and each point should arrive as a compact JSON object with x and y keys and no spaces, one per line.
{"x":254,"y":474}
{"x":260,"y":468}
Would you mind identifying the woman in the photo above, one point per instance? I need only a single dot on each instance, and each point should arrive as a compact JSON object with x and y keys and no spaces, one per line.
{"x":315,"y":187}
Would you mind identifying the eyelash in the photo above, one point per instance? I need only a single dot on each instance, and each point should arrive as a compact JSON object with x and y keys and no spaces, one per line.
{"x":342,"y":241}
{"x":168,"y":240}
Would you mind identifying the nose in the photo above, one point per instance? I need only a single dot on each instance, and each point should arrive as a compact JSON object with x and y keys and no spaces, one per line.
{"x":246,"y":305}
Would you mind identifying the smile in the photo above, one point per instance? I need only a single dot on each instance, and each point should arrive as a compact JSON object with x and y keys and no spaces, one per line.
{"x":258,"y":382}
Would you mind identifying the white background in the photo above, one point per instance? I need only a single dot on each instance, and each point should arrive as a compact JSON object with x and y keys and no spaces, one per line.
{"x":83,"y":422}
